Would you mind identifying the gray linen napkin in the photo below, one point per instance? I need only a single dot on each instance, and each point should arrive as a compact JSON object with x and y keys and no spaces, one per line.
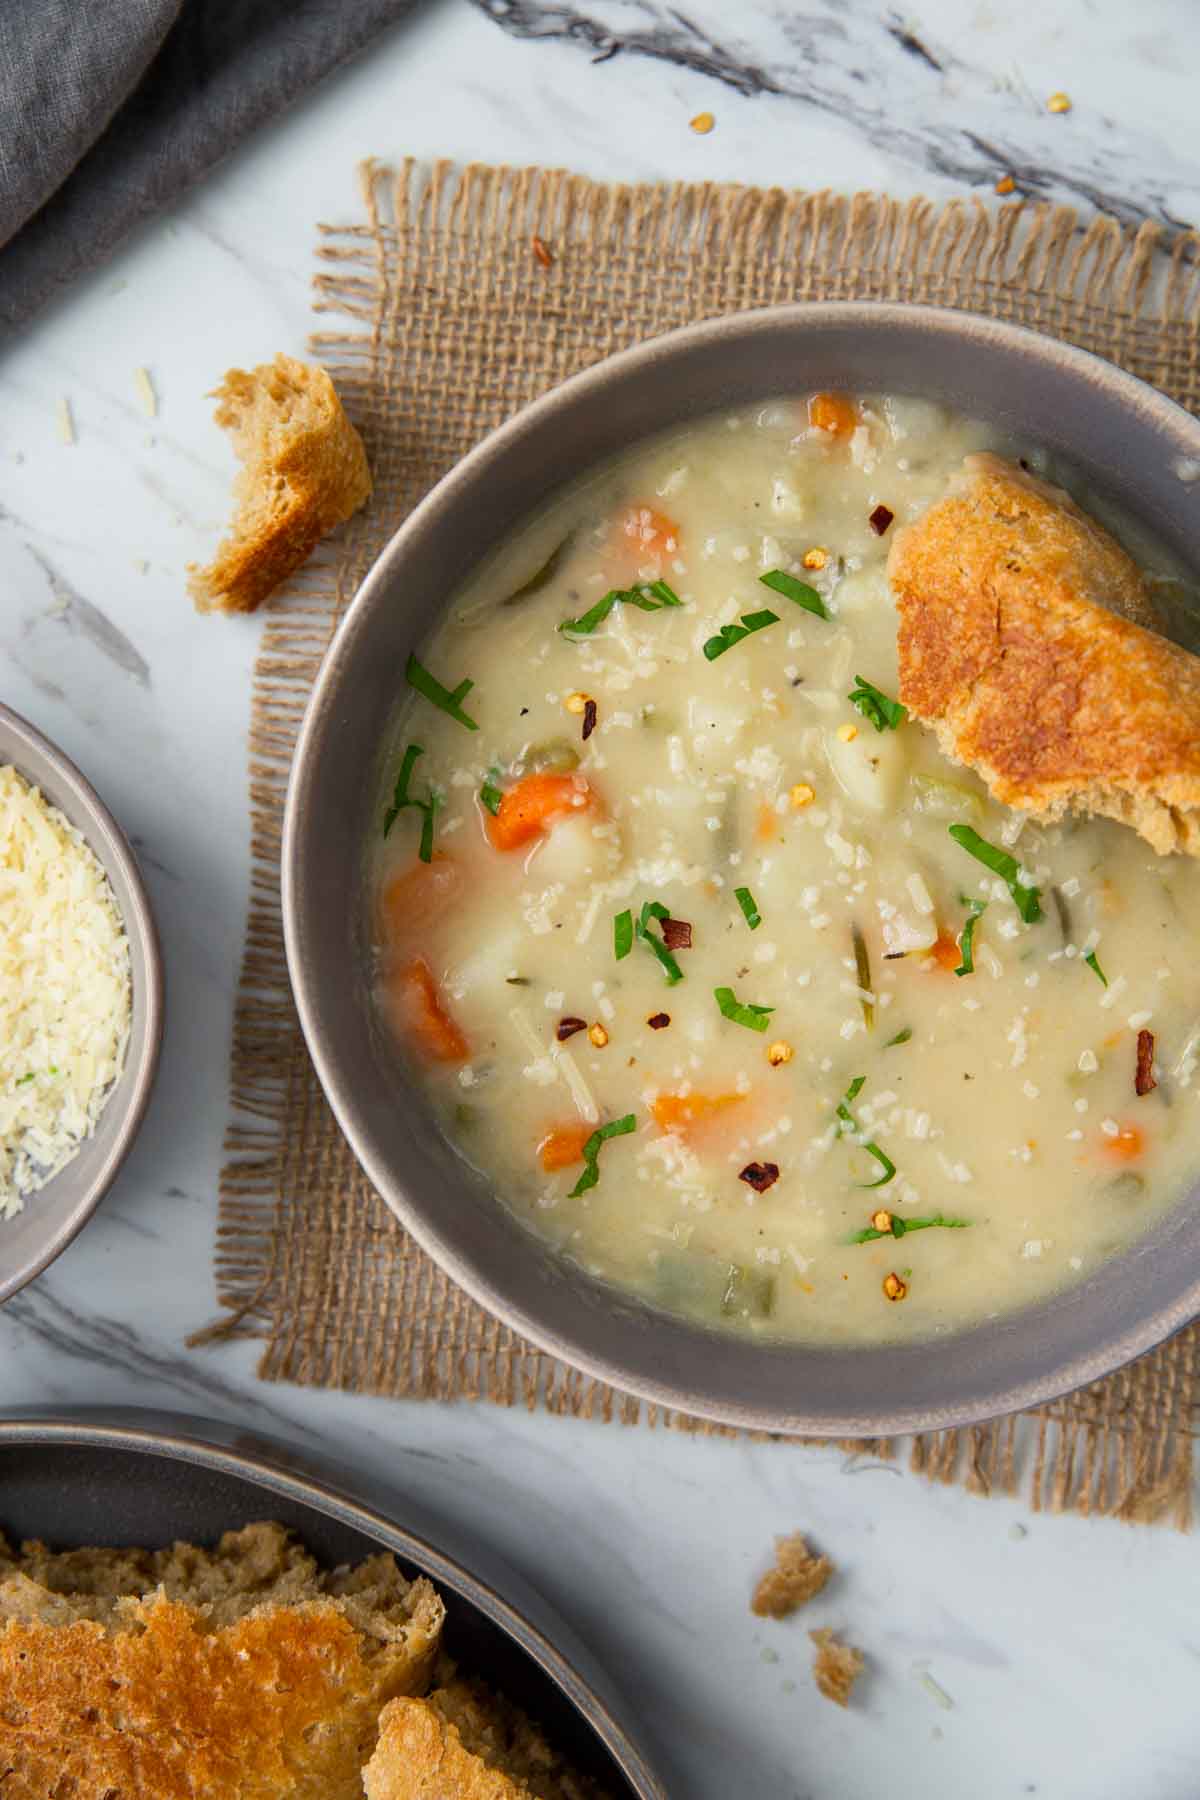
{"x":110,"y":108}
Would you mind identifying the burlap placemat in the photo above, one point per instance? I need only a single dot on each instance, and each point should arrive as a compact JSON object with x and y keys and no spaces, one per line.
{"x":461,"y":295}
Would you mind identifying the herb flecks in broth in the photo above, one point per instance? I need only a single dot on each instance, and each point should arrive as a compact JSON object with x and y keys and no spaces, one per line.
{"x":780,"y":582}
{"x":1026,"y":899}
{"x":663,"y":947}
{"x":729,"y":635}
{"x":848,"y":1126}
{"x":593,"y":1147}
{"x":1094,"y":965}
{"x":749,"y":1014}
{"x":888,"y":1224}
{"x":966,"y":943}
{"x":446,"y":700}
{"x":874,"y":704}
{"x":750,"y":912}
{"x":652,"y":596}
{"x":747,"y":801}
{"x":402,"y":799}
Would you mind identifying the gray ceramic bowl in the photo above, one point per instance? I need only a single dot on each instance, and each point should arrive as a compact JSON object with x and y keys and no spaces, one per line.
{"x":129,"y":1476}
{"x":54,"y":1214}
{"x":1130,"y":443}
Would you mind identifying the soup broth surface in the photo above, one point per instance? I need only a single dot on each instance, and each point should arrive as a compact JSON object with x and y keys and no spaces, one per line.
{"x":859,"y":1095}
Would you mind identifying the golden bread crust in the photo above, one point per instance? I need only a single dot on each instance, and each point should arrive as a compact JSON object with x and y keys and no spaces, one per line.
{"x":1016,"y":644}
{"x":281,"y":1704}
{"x":421,"y":1757}
{"x":305,"y":472}
{"x":466,"y":1743}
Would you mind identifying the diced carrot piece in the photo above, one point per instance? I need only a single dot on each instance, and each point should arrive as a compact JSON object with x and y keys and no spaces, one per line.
{"x":945,"y":952}
{"x":650,"y":535}
{"x":563,"y":1146}
{"x":418,"y":897}
{"x":834,"y":413}
{"x":685,"y":1113}
{"x":420,"y":1016}
{"x":533,"y":805}
{"x":1127,"y":1146}
{"x":767,"y":825}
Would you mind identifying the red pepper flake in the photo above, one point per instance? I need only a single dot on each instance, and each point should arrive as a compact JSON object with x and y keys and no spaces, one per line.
{"x":543,"y":252}
{"x":1143,"y":1081}
{"x":567,"y":1028}
{"x":880,"y":519}
{"x":760,"y":1176}
{"x":657,"y":1021}
{"x":677,"y":934}
{"x":589,"y":719}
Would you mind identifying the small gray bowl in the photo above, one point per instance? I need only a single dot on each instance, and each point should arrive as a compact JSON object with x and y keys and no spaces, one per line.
{"x":1132,"y":445}
{"x":52,"y":1216}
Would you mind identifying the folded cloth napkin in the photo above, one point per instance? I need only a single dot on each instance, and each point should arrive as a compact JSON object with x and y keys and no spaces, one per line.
{"x":111,"y":108}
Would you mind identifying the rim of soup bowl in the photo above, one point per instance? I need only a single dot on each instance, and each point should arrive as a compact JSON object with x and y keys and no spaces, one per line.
{"x":1002,"y":1364}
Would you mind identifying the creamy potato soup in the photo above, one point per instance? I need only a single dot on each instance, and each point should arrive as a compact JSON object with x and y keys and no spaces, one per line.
{"x":734,"y":988}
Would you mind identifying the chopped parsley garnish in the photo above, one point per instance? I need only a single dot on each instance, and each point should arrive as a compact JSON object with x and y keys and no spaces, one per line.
{"x":401,"y":798}
{"x":1093,"y":964}
{"x":592,"y":1149}
{"x":782,"y":583}
{"x":650,"y":596}
{"x":754,"y":1018}
{"x":750,"y":912}
{"x":729,"y":635}
{"x":898,"y":1227}
{"x":966,"y":943}
{"x":622,"y":934}
{"x":419,"y":677}
{"x":874,"y":704}
{"x":901,"y":1037}
{"x":24,"y":1080}
{"x":489,"y":794}
{"x":847,"y":1122}
{"x":1026,"y":899}
{"x":654,"y":909}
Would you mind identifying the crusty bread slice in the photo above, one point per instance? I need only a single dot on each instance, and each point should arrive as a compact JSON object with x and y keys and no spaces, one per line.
{"x":304,"y":471}
{"x":1017,"y":645}
{"x":246,"y":1674}
{"x":466,"y":1743}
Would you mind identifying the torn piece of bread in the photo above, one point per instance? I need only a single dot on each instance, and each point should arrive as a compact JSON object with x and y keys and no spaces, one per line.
{"x":836,"y":1667}
{"x":304,"y":471}
{"x":794,"y":1580}
{"x":1016,"y":643}
{"x":246,"y":1674}
{"x":466,"y":1743}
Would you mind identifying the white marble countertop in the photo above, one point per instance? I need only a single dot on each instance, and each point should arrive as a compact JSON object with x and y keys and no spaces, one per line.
{"x":1069,"y":1648}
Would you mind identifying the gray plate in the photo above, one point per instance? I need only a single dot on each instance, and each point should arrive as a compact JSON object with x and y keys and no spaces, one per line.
{"x":1132,"y":445}
{"x":134,"y":1477}
{"x":58,"y":1211}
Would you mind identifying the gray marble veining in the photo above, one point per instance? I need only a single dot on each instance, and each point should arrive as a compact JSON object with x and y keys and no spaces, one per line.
{"x":648,"y":1540}
{"x":951,"y":97}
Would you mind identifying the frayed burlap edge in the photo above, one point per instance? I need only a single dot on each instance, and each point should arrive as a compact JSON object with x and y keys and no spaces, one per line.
{"x":451,"y":322}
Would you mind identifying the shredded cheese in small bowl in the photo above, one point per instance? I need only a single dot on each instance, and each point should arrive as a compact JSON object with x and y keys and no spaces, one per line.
{"x":65,"y":990}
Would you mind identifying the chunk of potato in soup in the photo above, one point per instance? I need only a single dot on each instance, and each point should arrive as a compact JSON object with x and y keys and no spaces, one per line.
{"x":715,"y":969}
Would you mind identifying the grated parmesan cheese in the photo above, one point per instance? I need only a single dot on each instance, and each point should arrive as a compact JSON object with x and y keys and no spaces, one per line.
{"x":65,"y":1004}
